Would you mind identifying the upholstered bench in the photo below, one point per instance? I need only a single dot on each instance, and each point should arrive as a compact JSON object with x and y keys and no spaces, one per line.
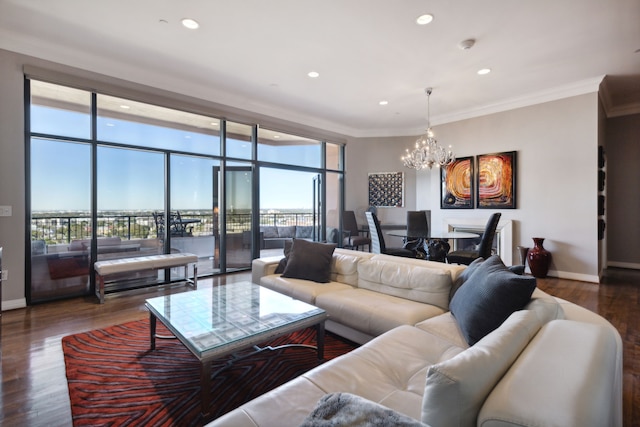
{"x":151,"y":262}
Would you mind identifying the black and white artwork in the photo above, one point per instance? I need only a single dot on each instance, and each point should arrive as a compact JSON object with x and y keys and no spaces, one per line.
{"x":386,"y":189}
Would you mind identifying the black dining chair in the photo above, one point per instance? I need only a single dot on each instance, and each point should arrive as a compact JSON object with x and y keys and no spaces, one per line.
{"x":377,"y":239}
{"x":353,"y":239}
{"x":484,"y":248}
{"x":417,"y":230}
{"x":417,"y":224}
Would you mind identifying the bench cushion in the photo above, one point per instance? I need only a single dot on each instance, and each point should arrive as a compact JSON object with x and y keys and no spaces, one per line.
{"x":122,"y":265}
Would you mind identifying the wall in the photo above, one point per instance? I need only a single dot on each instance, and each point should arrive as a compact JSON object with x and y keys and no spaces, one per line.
{"x":371,"y":155}
{"x":12,"y":178}
{"x":556,"y":178}
{"x":623,"y":203}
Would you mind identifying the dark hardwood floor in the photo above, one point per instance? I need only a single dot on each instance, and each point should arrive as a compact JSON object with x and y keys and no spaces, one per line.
{"x":34,"y":387}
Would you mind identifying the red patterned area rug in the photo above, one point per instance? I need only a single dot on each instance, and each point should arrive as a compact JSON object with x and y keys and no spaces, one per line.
{"x":115,"y":379}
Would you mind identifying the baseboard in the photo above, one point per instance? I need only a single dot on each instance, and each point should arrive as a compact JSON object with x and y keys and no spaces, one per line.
{"x":13,"y":304}
{"x":574,"y":276}
{"x":630,"y":265}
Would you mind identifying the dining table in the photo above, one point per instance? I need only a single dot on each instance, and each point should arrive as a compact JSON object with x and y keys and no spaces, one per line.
{"x":433,"y":247}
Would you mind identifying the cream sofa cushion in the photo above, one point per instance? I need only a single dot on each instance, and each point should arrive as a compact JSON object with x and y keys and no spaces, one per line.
{"x":373,"y":313}
{"x":456,"y":388}
{"x":389,"y":369}
{"x":454,"y":269}
{"x":344,"y":268}
{"x":420,"y":284}
{"x":304,"y":290}
{"x":565,"y":377}
{"x":545,"y":306}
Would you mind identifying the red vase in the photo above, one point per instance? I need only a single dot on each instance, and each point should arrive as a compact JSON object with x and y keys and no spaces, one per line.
{"x":539,"y":258}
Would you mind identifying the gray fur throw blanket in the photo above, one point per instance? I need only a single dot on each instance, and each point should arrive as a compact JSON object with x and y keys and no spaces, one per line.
{"x":345,"y":409}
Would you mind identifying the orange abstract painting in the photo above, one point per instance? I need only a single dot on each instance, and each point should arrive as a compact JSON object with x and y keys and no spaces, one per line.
{"x":496,"y":180}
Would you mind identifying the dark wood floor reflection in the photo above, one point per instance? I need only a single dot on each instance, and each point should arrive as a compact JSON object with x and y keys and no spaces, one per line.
{"x":34,"y":387}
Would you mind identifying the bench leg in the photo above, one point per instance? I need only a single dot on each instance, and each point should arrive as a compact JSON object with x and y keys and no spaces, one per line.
{"x":195,"y":276}
{"x":100,"y":288}
{"x":193,"y":282}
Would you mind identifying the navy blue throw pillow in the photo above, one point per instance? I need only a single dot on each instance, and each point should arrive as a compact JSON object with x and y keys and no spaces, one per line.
{"x":488,"y":297}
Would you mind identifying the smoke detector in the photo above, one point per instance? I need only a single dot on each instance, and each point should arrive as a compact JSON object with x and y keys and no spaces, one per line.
{"x":466,"y":44}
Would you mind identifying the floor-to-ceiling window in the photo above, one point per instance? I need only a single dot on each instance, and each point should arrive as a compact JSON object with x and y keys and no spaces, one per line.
{"x":111,"y":177}
{"x":292,"y":199}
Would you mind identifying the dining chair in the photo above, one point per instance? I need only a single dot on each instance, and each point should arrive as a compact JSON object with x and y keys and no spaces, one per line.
{"x":484,"y":248}
{"x":353,"y":239}
{"x":417,"y":224}
{"x":159,"y":219}
{"x":377,"y":239}
{"x":181,"y":228}
{"x":417,"y":233}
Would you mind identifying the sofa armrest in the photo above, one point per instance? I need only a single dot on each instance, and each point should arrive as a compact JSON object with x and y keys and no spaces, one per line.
{"x":263,"y":267}
{"x":567,"y":375}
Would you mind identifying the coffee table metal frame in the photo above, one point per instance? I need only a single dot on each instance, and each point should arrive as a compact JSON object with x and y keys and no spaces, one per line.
{"x":220,"y":321}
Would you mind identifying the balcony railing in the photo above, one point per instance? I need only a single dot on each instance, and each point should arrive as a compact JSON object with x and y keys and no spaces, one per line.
{"x":58,"y":229}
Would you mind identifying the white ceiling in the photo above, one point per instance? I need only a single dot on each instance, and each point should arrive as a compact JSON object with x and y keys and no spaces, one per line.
{"x":255,"y":54}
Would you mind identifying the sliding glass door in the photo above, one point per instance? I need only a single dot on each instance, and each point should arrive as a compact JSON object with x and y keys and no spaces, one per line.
{"x":194,"y":210}
{"x":234,"y":235}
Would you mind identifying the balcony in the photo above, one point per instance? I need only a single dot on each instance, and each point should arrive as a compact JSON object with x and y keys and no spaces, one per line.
{"x":61,"y":243}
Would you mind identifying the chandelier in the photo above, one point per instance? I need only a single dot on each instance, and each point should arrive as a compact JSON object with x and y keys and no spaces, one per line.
{"x":427,"y":152}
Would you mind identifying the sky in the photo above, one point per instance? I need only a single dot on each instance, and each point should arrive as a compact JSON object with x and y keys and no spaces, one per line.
{"x":130,"y":179}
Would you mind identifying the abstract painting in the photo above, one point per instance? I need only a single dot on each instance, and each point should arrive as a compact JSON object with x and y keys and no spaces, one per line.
{"x":496,"y":181}
{"x":386,"y":189}
{"x":456,"y":184}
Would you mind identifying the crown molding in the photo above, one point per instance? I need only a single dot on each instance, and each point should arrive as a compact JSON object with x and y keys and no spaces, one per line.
{"x":553,"y":94}
{"x":612,"y":110}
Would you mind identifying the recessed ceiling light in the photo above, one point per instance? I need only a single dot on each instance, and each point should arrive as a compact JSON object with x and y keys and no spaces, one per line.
{"x":383,"y":102}
{"x":313,"y":74}
{"x":110,"y":125}
{"x":190,"y":23}
{"x":484,"y":71}
{"x":214,"y":123}
{"x":125,"y":107}
{"x":424,"y":19}
{"x":276,"y":136}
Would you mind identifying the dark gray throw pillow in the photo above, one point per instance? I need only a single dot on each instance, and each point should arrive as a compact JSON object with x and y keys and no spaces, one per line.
{"x":518,"y":269}
{"x":488,"y":297}
{"x":309,"y":261}
{"x":283,"y":262}
{"x":462,"y":277}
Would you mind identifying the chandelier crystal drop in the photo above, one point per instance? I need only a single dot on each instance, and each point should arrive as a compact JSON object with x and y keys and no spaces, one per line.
{"x":427,"y":152}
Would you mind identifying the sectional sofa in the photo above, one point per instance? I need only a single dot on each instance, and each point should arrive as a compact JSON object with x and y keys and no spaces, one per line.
{"x":422,"y":361}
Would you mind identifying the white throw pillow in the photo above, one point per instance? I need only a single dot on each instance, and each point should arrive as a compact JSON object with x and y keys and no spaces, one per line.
{"x":456,"y":388}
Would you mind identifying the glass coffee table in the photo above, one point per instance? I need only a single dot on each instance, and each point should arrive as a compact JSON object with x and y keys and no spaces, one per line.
{"x":220,"y":321}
